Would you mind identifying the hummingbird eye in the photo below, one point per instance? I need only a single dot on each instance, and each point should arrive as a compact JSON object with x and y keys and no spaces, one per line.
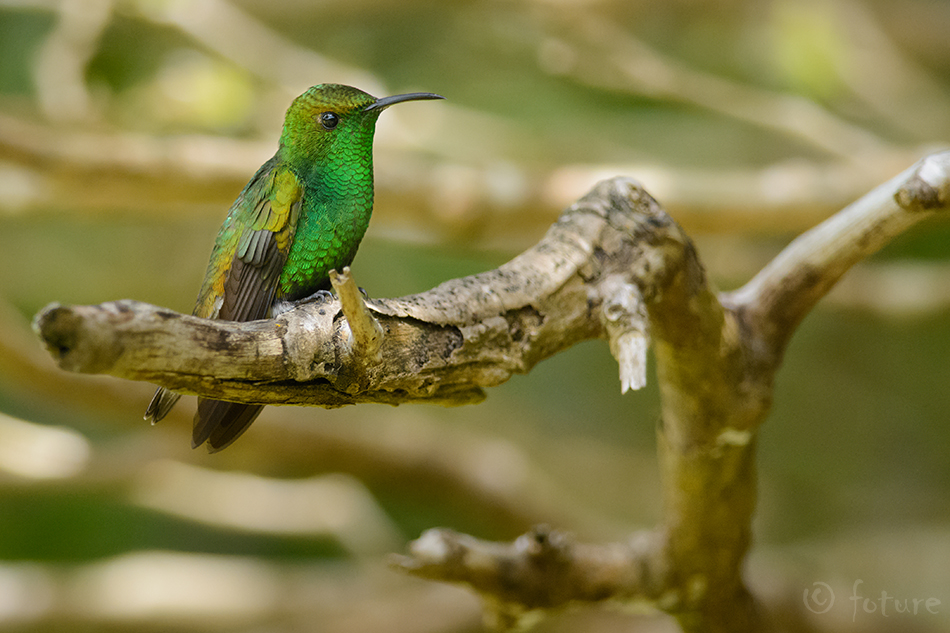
{"x":329,"y":120}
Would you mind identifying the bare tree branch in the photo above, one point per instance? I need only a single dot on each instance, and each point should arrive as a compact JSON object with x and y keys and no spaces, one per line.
{"x":779,"y":297}
{"x":716,"y":360}
{"x":715,"y":369}
{"x":517,"y":576}
{"x":440,"y":346}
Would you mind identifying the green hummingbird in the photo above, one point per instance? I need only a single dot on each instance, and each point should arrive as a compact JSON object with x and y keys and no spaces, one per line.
{"x":302,"y":215}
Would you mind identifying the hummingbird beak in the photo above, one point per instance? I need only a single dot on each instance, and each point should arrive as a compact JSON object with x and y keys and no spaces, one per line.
{"x":385,"y":102}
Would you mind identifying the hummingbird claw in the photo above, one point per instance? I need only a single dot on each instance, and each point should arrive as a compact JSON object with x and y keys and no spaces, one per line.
{"x":319,"y":297}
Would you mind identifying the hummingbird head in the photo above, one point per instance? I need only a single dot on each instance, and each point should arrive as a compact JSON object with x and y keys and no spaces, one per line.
{"x":331,"y":126}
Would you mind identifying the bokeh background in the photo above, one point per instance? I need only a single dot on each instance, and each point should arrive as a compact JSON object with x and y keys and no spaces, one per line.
{"x":128,"y":127}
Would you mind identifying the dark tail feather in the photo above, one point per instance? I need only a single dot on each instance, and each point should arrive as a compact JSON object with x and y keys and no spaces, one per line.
{"x":220,"y":423}
{"x":162,"y":402}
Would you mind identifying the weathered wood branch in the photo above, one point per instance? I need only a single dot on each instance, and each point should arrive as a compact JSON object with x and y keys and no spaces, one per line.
{"x":611,"y":258}
{"x":441,"y":346}
{"x":775,"y":301}
{"x":716,"y":367}
{"x":517,"y":576}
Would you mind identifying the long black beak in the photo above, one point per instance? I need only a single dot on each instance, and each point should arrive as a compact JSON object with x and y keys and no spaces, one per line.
{"x":385,"y":102}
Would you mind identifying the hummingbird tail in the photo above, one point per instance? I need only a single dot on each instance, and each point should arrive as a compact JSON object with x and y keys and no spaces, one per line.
{"x":220,"y":423}
{"x":162,"y":402}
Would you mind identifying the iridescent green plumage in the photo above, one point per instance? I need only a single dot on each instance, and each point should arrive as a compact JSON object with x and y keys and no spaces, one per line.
{"x":302,"y":215}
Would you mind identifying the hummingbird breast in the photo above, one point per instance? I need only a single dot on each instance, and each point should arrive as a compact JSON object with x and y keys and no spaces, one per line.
{"x":328,"y":234}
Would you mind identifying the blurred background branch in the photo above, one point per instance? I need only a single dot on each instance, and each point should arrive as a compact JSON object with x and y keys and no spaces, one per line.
{"x":227,"y":52}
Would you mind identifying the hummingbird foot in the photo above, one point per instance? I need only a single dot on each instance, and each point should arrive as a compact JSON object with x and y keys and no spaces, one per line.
{"x":319,"y":297}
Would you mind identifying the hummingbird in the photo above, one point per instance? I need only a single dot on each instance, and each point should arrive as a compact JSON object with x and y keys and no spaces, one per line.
{"x":302,"y":215}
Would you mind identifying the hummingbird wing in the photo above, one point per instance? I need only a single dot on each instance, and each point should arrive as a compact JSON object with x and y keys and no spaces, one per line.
{"x":240,"y":283}
{"x":251,"y":247}
{"x":242,"y":280}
